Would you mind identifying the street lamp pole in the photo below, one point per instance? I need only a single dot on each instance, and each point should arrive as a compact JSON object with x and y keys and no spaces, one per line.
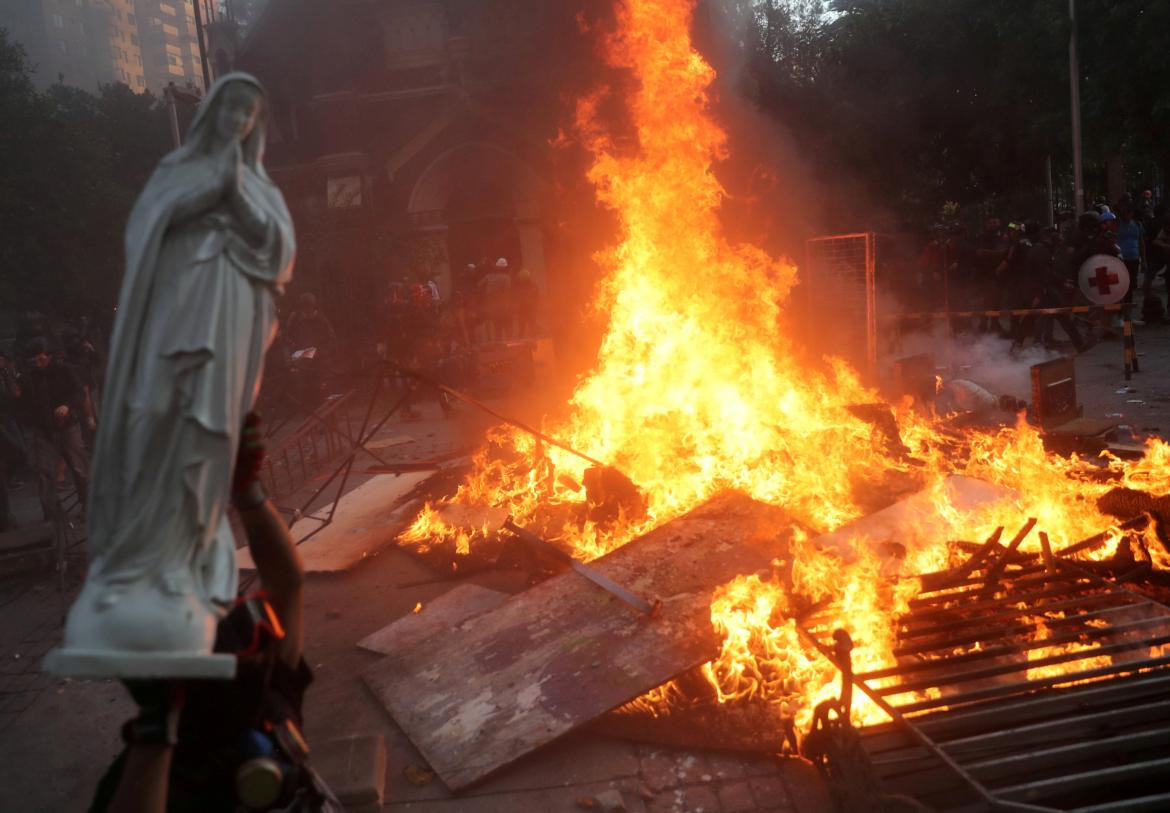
{"x":203,"y":47}
{"x":1074,"y":72}
{"x":173,"y":114}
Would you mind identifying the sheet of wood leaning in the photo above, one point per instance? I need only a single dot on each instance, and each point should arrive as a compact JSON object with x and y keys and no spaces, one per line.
{"x":552,"y":659}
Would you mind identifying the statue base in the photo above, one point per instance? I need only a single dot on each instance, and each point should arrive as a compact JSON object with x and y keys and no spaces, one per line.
{"x":138,"y":665}
{"x":139,"y":632}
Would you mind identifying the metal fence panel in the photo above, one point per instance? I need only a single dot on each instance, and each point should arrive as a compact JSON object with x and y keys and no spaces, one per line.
{"x":838,"y":278}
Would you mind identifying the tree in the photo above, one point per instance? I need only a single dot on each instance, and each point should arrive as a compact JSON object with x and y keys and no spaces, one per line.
{"x":925,"y":101}
{"x":73,"y":163}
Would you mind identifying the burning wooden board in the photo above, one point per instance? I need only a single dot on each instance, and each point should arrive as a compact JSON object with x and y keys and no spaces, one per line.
{"x":564,"y":653}
{"x":918,"y":518}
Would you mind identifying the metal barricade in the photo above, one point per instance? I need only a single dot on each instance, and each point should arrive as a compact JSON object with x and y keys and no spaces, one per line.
{"x":320,"y":438}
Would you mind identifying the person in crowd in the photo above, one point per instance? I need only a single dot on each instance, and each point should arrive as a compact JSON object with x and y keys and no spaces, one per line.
{"x":34,"y":327}
{"x":1014,"y":282}
{"x":991,"y":248}
{"x":85,"y":361}
{"x":311,"y":342}
{"x":308,"y":327}
{"x":937,"y":266}
{"x":52,"y":409}
{"x":463,"y":305}
{"x":211,"y":746}
{"x":1089,"y":239}
{"x":1092,"y":238}
{"x":1159,"y":261}
{"x":496,"y":300}
{"x":1109,"y":221}
{"x":11,"y":443}
{"x":1046,"y":287}
{"x":1131,"y":241}
{"x":1146,"y":211}
{"x":525,"y":298}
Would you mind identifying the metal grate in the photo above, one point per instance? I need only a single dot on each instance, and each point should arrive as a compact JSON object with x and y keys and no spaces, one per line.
{"x":1024,"y":683}
{"x":838,"y":279}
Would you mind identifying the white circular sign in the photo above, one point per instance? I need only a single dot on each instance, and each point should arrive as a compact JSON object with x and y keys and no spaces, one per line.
{"x":1104,"y":279}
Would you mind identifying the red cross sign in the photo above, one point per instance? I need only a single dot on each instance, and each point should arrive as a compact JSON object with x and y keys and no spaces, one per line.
{"x":1104,"y":279}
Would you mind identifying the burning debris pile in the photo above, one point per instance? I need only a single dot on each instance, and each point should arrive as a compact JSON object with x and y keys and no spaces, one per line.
{"x":699,"y":391}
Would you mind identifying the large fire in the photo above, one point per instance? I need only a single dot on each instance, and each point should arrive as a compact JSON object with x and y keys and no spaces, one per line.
{"x":697,"y":389}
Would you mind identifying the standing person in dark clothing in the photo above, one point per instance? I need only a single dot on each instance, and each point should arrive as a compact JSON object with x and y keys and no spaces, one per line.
{"x":463,"y":302}
{"x":86,"y":362}
{"x":1089,"y":239}
{"x":495,"y":288}
{"x":525,"y":296}
{"x":1047,"y":288}
{"x":11,"y":446}
{"x":310,"y":340}
{"x":1016,"y":286}
{"x":1159,"y":257}
{"x":937,"y":265}
{"x":990,"y":250}
{"x":1145,"y":209}
{"x":309,"y":327}
{"x":52,"y":407}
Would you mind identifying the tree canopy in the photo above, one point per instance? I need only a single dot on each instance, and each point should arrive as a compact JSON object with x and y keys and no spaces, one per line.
{"x":926,"y":101}
{"x":72,"y":163}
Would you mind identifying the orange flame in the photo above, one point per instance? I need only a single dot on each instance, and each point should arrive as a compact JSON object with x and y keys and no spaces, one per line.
{"x":697,"y":389}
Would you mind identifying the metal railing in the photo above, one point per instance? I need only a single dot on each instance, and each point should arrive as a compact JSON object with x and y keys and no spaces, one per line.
{"x":319,"y":439}
{"x":1027,"y":683}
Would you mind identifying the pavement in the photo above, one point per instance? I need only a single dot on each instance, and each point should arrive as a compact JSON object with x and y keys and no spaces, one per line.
{"x":57,"y":736}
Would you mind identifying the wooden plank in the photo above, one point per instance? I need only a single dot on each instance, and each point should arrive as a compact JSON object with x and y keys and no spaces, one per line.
{"x":441,"y":615}
{"x":565,"y":652}
{"x":916,"y":519}
{"x":367,"y":519}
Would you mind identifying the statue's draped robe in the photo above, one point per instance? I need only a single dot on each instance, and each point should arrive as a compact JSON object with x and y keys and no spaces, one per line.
{"x":195,"y":318}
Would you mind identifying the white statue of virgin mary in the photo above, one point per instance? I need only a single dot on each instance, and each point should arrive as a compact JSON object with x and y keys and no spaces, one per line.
{"x":208,"y":246}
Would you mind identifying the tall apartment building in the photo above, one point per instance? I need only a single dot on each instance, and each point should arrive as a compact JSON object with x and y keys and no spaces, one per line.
{"x":142,"y":43}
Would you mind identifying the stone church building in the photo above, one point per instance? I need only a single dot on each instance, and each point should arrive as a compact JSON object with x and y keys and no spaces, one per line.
{"x":411,"y":137}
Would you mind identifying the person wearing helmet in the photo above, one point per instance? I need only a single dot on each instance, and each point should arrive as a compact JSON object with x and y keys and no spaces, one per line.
{"x":495,"y":292}
{"x":525,"y":296}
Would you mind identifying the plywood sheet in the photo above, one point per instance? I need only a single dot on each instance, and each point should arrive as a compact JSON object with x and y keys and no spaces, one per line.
{"x":918,"y":519}
{"x":565,"y":652}
{"x":439,"y":616}
{"x":367,"y":519}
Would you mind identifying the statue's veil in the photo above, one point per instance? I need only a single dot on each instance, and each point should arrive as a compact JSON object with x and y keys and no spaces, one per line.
{"x":200,"y":132}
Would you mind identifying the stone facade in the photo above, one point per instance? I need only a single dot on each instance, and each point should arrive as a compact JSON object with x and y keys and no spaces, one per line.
{"x":413,"y":137}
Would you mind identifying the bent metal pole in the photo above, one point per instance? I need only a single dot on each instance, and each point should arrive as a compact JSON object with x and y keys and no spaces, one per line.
{"x":480,"y":405}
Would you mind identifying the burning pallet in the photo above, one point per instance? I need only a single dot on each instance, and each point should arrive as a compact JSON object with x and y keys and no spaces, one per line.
{"x":1024,"y":683}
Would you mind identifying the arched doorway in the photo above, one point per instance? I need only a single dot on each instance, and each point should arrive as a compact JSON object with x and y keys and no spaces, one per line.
{"x":477,"y":201}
